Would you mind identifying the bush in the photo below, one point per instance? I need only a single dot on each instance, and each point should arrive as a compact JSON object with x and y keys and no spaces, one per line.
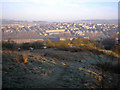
{"x":117,"y":49}
{"x":8,"y":45}
{"x":61,"y":44}
{"x":108,"y":43}
{"x":49,"y":43}
{"x":35,"y":45}
{"x":25,"y":46}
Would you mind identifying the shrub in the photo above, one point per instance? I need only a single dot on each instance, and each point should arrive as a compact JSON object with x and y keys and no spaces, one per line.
{"x":8,"y":45}
{"x":117,"y":49}
{"x":49,"y":43}
{"x":25,"y":46}
{"x":35,"y":45}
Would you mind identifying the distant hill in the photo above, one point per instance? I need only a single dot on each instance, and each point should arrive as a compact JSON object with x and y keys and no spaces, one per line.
{"x":6,"y":21}
{"x":94,"y":21}
{"x":114,"y":21}
{"x":39,"y":21}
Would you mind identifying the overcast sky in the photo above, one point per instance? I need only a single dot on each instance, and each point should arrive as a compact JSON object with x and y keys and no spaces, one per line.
{"x":59,"y":10}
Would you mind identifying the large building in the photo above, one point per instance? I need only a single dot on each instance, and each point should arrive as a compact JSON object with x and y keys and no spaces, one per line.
{"x":52,"y":31}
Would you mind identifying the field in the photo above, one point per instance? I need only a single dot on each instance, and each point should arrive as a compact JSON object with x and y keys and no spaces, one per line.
{"x":55,"y":68}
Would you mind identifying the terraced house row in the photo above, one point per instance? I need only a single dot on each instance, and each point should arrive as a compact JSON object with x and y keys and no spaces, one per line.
{"x":63,"y":29}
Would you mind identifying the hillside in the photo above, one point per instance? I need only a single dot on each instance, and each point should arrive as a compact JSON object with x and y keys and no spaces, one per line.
{"x":54,"y":68}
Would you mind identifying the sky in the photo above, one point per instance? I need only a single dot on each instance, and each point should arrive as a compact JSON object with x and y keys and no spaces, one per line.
{"x":58,"y":10}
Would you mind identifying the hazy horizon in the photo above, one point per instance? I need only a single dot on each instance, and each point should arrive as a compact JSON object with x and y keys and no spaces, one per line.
{"x":59,"y":10}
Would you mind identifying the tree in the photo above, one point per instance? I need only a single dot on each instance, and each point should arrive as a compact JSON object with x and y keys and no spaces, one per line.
{"x":36,"y":45}
{"x":117,"y":49}
{"x":61,"y":44}
{"x":49,"y":43}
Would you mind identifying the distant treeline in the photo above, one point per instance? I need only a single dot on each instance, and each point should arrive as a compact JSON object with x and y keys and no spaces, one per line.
{"x":76,"y":44}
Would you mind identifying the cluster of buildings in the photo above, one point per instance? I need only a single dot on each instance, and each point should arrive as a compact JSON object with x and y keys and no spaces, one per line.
{"x":63,"y":30}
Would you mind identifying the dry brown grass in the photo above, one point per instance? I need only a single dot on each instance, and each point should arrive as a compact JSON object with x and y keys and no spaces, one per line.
{"x":16,"y":60}
{"x":63,"y":63}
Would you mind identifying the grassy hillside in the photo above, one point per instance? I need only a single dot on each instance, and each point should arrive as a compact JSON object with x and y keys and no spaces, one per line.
{"x":60,"y":68}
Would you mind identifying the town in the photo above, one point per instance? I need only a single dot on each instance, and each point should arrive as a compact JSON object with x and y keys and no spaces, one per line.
{"x":28,"y":32}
